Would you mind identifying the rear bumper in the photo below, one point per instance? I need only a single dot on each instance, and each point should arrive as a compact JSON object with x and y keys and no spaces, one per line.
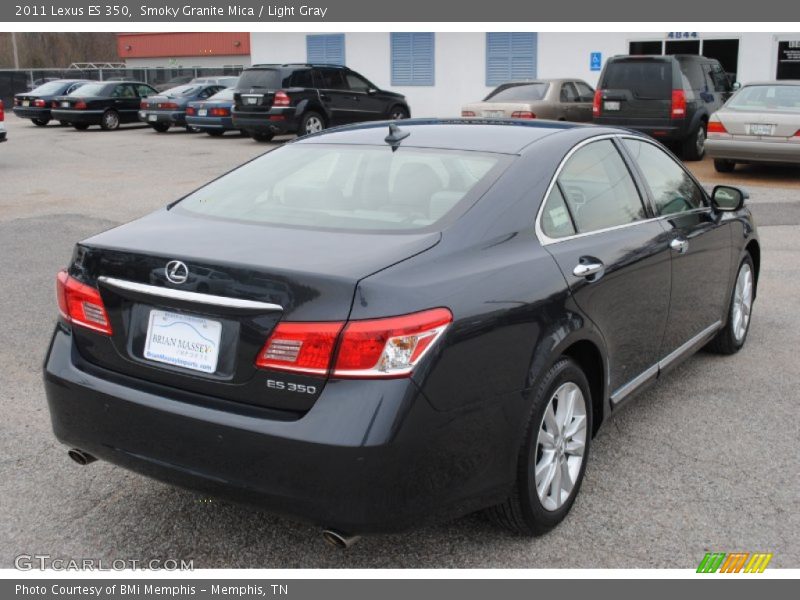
{"x":277,"y":121}
{"x":88,"y":117}
{"x":754,"y":151}
{"x":170,"y":117}
{"x":370,"y":456}
{"x":30,"y":112}
{"x":660,"y":129}
{"x":213,"y":123}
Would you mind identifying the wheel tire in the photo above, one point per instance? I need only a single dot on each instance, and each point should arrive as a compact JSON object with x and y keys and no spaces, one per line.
{"x":398,"y":113}
{"x":311,"y":122}
{"x":81,"y":126}
{"x":722,"y":165}
{"x":215,"y":132}
{"x":261,"y":136}
{"x":40,"y":122}
{"x":731,"y":338}
{"x":64,"y":123}
{"x":694,"y":146}
{"x":160,"y":127}
{"x":110,"y":120}
{"x":523,"y":512}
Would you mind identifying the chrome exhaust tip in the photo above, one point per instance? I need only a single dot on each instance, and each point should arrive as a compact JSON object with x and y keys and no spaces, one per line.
{"x":81,"y":457}
{"x":340,"y":540}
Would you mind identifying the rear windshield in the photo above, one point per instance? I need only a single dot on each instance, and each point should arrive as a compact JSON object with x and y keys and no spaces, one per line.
{"x":49,"y":88}
{"x":767,"y":98}
{"x":269,"y":79}
{"x":646,"y":79}
{"x":223,"y":95}
{"x":90,"y":89}
{"x":182,"y":91}
{"x":519,"y":93}
{"x":368,"y":188}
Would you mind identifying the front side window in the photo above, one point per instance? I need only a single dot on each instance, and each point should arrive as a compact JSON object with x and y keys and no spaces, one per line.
{"x":568,"y":93}
{"x":348,"y":187}
{"x":674,"y":191}
{"x":598,"y":189}
{"x":357,"y":83}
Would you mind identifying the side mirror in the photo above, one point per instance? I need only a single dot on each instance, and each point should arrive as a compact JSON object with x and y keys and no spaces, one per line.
{"x":372,"y":91}
{"x":736,"y":86}
{"x":727,"y":198}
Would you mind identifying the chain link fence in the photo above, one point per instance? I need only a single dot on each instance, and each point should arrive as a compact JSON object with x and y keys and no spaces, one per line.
{"x":22,"y":80}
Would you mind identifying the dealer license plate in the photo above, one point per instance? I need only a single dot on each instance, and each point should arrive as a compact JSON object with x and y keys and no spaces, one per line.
{"x":183,"y":341}
{"x":494,"y":113}
{"x":65,"y":104}
{"x":26,"y":103}
{"x":202,"y":112}
{"x":611,"y":105}
{"x":152,"y":118}
{"x":760,"y":129}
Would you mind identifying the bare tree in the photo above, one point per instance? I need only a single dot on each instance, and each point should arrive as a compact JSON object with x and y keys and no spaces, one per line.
{"x":58,"y":50}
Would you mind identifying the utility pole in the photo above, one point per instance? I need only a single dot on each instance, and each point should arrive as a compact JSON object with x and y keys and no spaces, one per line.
{"x":14,"y":48}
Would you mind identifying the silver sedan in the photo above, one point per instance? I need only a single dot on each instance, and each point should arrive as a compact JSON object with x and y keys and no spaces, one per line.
{"x":556,"y":99}
{"x":759,"y":124}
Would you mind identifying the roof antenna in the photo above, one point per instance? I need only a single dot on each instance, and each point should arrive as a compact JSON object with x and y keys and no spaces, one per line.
{"x":396,"y":135}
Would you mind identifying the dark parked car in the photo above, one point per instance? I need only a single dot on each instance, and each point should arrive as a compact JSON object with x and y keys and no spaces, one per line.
{"x":306,"y":98}
{"x":36,"y":104}
{"x":213,"y":115}
{"x":668,"y":97}
{"x":412,"y":322}
{"x":105,"y":104}
{"x":168,"y":108}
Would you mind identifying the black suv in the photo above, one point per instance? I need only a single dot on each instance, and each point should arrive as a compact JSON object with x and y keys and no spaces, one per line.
{"x":667,"y":97}
{"x":305,"y":98}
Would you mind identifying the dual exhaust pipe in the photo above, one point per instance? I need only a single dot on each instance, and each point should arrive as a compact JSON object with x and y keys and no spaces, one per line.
{"x":335,"y":538}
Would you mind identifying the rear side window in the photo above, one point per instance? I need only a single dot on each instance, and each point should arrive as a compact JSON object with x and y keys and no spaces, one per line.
{"x":302,"y":79}
{"x":268,"y":79}
{"x":556,"y":220}
{"x":693,"y":70}
{"x":332,"y":79}
{"x":672,"y":188}
{"x":519,"y":93}
{"x":646,"y":79}
{"x":349,"y":187}
{"x":598,"y":189}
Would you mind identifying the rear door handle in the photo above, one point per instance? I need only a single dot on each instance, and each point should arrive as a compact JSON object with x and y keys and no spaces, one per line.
{"x":680,"y":245}
{"x":588,"y":269}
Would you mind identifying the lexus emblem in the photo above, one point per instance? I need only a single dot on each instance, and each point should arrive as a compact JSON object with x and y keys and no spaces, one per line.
{"x":176,"y":271}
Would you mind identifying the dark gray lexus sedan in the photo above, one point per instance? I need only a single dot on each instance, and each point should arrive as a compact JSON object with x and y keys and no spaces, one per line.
{"x":385,"y":324}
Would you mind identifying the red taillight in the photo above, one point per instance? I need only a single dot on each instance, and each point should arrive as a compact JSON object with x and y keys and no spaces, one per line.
{"x":372,"y":348}
{"x":797,"y":135}
{"x":467,"y":113}
{"x":39,"y":103}
{"x":80,"y":105}
{"x":219,"y":112}
{"x":191,"y":110}
{"x":523,"y":114}
{"x":2,"y":111}
{"x":678,"y":110}
{"x":167,"y":105}
{"x":81,"y":304}
{"x":716,"y":127}
{"x":281,"y":99}
{"x":17,"y":102}
{"x":143,"y":104}
{"x":300,"y":347}
{"x":598,"y":99}
{"x":277,"y":117}
{"x":54,"y":104}
{"x":391,"y":347}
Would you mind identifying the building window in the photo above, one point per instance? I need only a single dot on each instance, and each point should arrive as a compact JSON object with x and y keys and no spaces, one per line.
{"x":326,"y":49}
{"x":509,"y":57}
{"x":412,"y":58}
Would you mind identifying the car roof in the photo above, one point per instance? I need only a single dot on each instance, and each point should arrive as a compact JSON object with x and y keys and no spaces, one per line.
{"x":778,"y":82}
{"x":480,"y":135}
{"x":297,"y":65}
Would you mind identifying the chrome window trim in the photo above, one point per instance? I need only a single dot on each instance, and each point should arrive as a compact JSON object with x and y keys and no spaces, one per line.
{"x":627,"y":389}
{"x":186,"y":296}
{"x":546,"y":240}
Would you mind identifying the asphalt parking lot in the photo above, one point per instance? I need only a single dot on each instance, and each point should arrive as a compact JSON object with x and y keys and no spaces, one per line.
{"x":706,"y":460}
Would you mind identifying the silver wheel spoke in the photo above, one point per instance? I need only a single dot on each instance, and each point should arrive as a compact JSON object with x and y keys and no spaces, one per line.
{"x":574,"y":448}
{"x":550,"y":419}
{"x":543,"y":486}
{"x":578,"y":424}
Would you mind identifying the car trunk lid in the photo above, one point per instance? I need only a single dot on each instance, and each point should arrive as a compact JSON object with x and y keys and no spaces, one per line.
{"x":234,"y":294}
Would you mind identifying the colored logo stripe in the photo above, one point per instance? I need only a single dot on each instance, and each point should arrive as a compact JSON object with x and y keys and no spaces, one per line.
{"x":734,"y":562}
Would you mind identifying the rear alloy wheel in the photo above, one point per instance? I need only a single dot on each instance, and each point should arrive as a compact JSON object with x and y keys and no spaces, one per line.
{"x":40,"y":122}
{"x":694,"y":147}
{"x":552,"y":458}
{"x":81,"y":126}
{"x":262,"y":136}
{"x":397,"y":113}
{"x":110,"y":120}
{"x":160,"y":127}
{"x":722,"y":165}
{"x":311,"y":123}
{"x":731,"y":338}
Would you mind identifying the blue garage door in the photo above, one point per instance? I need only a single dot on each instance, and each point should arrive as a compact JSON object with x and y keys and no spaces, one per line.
{"x":412,"y":58}
{"x":327,"y":49}
{"x":510,"y":56}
